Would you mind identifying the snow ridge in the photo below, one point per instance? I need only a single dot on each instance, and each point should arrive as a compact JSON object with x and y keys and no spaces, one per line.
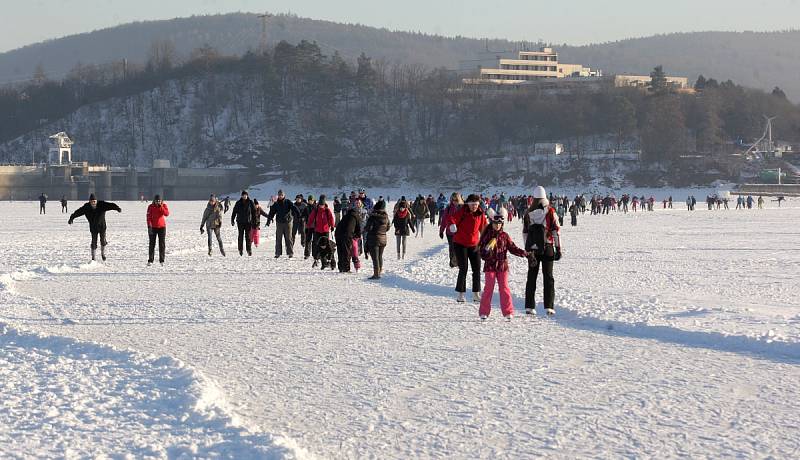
{"x":60,"y":397}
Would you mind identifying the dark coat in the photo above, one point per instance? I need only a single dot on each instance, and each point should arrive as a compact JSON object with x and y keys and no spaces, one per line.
{"x":376,"y":228}
{"x":244,"y":212}
{"x":349,"y":227}
{"x":96,"y":216}
{"x":283,"y":211}
{"x":403,"y":225}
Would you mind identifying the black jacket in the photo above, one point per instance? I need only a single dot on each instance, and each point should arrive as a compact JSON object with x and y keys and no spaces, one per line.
{"x":349,"y":227}
{"x":376,"y":228}
{"x":303,"y":210}
{"x":96,"y":216}
{"x":244,"y":212}
{"x":257,"y":213}
{"x":283,"y":211}
{"x":403,"y":225}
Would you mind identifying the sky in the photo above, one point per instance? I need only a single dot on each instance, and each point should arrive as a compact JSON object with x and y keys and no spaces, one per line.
{"x":574,"y":22}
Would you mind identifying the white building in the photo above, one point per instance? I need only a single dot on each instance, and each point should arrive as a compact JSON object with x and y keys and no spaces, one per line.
{"x":532,"y":66}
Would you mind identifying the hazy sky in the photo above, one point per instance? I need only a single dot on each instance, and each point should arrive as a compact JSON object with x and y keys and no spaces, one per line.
{"x":573,"y":21}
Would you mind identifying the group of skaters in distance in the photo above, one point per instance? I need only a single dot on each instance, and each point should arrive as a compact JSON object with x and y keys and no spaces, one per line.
{"x":357,"y":225}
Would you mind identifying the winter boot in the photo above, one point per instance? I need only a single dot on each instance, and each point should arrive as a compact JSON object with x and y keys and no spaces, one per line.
{"x":550,"y":311}
{"x":93,"y":252}
{"x":530,"y":312}
{"x":460,"y":297}
{"x":209,"y":252}
{"x":483,"y":317}
{"x":476,"y":296}
{"x":103,"y":253}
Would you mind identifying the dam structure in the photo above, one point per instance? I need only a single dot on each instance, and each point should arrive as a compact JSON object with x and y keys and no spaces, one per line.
{"x":60,"y":176}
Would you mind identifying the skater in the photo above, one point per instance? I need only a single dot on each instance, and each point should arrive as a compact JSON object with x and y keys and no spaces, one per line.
{"x":337,"y":209}
{"x":347,"y":231}
{"x":283,"y":212}
{"x":421,"y":214}
{"x":299,"y":224}
{"x":495,"y":244}
{"x":456,"y":202}
{"x":403,"y":226}
{"x":64,"y":204}
{"x":432,"y":209}
{"x":760,"y":202}
{"x":226,"y":203}
{"x":255,"y":230}
{"x":42,"y":203}
{"x":308,"y":228}
{"x":322,"y":221}
{"x":543,"y":241}
{"x":242,"y":216}
{"x":212,"y":222}
{"x":95,"y":212}
{"x":376,"y":228}
{"x":157,"y":228}
{"x":573,"y":214}
{"x":466,"y":225}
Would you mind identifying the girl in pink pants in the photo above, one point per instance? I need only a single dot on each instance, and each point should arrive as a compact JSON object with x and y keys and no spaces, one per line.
{"x":495,"y":244}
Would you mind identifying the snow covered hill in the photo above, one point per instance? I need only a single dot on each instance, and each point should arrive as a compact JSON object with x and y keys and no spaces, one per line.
{"x":677,"y":335}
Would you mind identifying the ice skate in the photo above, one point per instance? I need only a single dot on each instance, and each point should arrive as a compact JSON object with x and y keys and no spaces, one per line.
{"x":476,"y":296}
{"x":483,"y":317}
{"x":460,"y":298}
{"x":530,"y":312}
{"x":550,"y":311}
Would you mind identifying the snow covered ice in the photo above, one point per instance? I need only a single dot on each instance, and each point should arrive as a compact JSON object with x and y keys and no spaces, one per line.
{"x":677,"y":334}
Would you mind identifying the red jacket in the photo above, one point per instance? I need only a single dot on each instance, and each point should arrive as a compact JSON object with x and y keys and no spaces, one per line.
{"x":156,"y":215}
{"x":322,"y":219}
{"x":468,"y":226}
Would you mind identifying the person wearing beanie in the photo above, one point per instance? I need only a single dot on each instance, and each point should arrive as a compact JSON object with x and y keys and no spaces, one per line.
{"x":495,"y":244}
{"x":376,"y":228}
{"x":95,"y":212}
{"x":284,"y":213}
{"x":299,"y":224}
{"x":157,"y":212}
{"x":242,"y":215}
{"x":308,"y":227}
{"x":322,"y":221}
{"x":543,"y":243}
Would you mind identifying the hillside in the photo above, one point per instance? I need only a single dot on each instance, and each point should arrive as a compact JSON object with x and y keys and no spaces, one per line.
{"x":771,"y":58}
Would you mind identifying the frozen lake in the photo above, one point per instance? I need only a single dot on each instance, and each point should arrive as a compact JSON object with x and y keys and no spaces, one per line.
{"x":677,"y":334}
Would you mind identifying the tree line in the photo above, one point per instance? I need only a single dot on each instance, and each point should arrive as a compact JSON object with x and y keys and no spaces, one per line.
{"x":293,"y":107}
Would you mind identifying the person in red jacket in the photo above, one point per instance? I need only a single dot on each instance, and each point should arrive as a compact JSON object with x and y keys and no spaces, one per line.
{"x":157,"y":228}
{"x":466,"y":225}
{"x":322,"y":221}
{"x":456,"y":203}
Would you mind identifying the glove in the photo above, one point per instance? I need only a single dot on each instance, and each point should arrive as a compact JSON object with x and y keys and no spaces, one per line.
{"x":119,"y":210}
{"x":441,"y":235}
{"x":557,"y":255}
{"x":202,"y":230}
{"x":453,"y":229}
{"x":69,"y":221}
{"x":232,"y":224}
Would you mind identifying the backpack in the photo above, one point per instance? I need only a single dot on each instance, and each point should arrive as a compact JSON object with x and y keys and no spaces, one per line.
{"x":537,"y":235}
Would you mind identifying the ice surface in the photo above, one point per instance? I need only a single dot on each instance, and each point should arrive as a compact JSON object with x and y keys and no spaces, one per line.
{"x":677,"y":334}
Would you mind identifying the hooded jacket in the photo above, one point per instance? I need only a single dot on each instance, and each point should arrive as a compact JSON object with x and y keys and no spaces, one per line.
{"x":212,"y":216}
{"x":321,"y":219}
{"x":156,"y":215}
{"x":376,"y":228}
{"x":349,"y":227}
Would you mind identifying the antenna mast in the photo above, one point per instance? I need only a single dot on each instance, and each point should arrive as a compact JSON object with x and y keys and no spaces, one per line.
{"x":263,"y":41}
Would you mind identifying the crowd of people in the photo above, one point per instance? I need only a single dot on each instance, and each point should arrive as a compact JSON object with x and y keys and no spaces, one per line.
{"x":357,"y":226}
{"x":337,"y":236}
